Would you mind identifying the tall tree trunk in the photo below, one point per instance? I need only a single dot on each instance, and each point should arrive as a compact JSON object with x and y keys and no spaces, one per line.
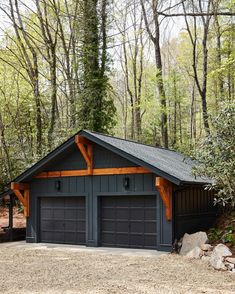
{"x":155,"y":38}
{"x":202,"y":87}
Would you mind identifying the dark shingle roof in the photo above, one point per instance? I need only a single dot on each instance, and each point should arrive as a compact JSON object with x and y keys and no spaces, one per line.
{"x":164,"y":161}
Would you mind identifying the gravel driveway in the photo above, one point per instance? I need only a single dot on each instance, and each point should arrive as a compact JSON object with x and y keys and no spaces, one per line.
{"x":69,"y":270}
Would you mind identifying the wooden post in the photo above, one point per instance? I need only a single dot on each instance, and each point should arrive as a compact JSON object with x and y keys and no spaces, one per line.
{"x":17,"y":188}
{"x":10,"y":223}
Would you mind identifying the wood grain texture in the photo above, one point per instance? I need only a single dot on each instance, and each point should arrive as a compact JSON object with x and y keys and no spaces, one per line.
{"x":165,"y":190}
{"x":96,"y":172}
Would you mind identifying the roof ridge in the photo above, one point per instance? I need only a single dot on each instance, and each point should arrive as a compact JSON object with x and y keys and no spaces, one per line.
{"x":132,"y":141}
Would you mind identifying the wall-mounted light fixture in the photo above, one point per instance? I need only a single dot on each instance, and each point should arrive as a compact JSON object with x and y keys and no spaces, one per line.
{"x":126,"y":183}
{"x":58,"y":185}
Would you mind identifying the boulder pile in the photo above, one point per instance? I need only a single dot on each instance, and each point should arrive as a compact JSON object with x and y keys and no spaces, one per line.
{"x":196,"y":246}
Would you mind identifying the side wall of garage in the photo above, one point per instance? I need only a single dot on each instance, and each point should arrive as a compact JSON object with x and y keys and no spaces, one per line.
{"x":93,"y":189}
{"x":194,"y":210}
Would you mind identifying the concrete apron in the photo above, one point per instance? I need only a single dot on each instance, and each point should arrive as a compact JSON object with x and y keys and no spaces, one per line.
{"x":79,"y":248}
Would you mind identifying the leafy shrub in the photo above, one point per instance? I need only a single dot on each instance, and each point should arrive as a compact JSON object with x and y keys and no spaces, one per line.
{"x":216,"y":155}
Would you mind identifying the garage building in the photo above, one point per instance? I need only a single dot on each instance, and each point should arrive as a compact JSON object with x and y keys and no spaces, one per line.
{"x":98,"y":190}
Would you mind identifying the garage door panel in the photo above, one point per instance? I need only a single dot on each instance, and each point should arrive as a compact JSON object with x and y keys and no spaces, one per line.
{"x":150,"y":213}
{"x":63,"y":220}
{"x":136,"y":227}
{"x":150,"y":227}
{"x":137,"y":240}
{"x":71,"y":237}
{"x":47,"y":225}
{"x":107,"y":238}
{"x":70,"y":213}
{"x":150,"y":241}
{"x":137,"y":213}
{"x":128,"y":221}
{"x":122,"y":226}
{"x":47,"y":213}
{"x":108,"y":225}
{"x":81,"y":214}
{"x":70,"y":225}
{"x":108,"y":212}
{"x":122,"y":213}
{"x":122,"y":239}
{"x":58,"y":213}
{"x":58,"y":225}
{"x":58,"y":237}
{"x":136,"y":202}
{"x":81,"y":226}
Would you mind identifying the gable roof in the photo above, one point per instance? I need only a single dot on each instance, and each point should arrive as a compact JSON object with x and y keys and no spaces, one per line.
{"x":166,"y":163}
{"x":170,"y":164}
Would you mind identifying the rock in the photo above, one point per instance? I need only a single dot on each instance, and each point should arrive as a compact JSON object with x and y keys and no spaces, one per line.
{"x":230,"y":259}
{"x":195,"y":253}
{"x":217,"y":256}
{"x":190,"y":241}
{"x":208,"y":253}
{"x":222,"y":250}
{"x":217,"y":262}
{"x":229,"y":265}
{"x":206,"y":247}
{"x":205,"y":258}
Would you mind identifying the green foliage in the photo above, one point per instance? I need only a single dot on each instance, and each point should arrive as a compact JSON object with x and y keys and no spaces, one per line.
{"x":215,"y":234}
{"x":226,"y":236}
{"x":96,"y":107}
{"x":217,"y":155}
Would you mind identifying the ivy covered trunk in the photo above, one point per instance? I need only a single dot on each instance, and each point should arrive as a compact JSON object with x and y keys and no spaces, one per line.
{"x":96,"y":107}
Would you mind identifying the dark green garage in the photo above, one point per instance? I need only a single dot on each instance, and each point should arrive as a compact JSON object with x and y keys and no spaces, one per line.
{"x":97,"y":190}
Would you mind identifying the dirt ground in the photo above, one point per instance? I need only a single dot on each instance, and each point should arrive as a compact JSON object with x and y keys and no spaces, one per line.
{"x":19,"y":220}
{"x":36,"y":269}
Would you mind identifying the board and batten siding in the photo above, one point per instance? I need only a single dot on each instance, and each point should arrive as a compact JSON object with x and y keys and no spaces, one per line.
{"x":94,"y":187}
{"x":194,"y":210}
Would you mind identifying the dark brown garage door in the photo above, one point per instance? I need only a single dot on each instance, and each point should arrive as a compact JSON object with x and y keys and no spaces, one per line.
{"x":63,"y":220}
{"x":128,"y":221}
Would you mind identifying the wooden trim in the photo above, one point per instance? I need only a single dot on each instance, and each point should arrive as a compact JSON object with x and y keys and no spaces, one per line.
{"x":96,"y":172}
{"x":82,"y":140}
{"x":85,"y":148}
{"x":120,"y":171}
{"x":165,"y":190}
{"x":18,"y":188}
{"x":26,"y":196}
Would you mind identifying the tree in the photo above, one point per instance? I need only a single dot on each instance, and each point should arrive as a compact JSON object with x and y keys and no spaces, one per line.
{"x":201,"y":86}
{"x":96,"y":106}
{"x":217,"y":155}
{"x":28,"y":58}
{"x":155,"y":38}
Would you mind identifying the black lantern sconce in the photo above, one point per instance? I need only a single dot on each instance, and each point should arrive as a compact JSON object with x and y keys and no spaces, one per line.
{"x":58,"y":185}
{"x":126,"y":183}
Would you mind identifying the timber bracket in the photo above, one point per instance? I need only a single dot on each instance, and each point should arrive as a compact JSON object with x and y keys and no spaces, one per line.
{"x":86,"y":150}
{"x":165,"y":190}
{"x":21,"y":190}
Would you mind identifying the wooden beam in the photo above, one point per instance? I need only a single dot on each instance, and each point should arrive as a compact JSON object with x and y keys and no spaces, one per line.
{"x":64,"y":173}
{"x":85,"y":148}
{"x":82,"y":140}
{"x":96,"y":172}
{"x":165,"y":190}
{"x":120,"y":171}
{"x":18,"y":188}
